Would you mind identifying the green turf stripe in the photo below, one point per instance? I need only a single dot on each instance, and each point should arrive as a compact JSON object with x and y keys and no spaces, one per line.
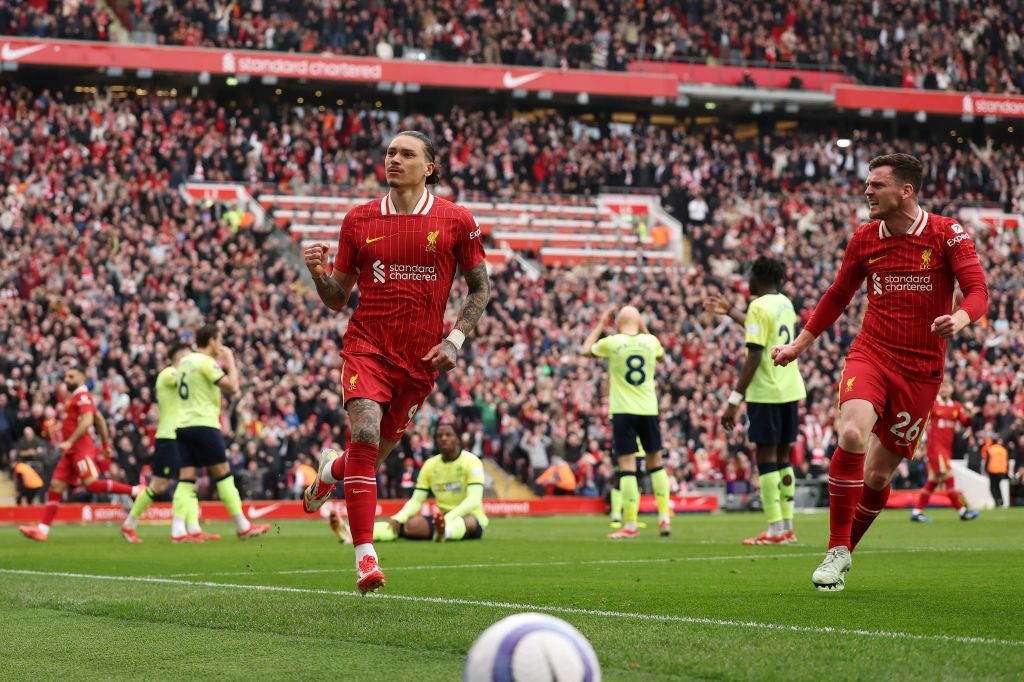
{"x":535,"y":607}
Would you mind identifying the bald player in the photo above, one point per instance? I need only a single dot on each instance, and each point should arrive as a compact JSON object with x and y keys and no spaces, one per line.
{"x":633,"y":404}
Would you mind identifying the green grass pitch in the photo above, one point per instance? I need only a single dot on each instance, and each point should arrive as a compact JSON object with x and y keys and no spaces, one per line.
{"x":923,"y":602}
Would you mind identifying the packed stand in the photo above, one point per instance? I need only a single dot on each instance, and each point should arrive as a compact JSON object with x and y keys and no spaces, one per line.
{"x":72,"y":19}
{"x":939,"y":45}
{"x":143,"y":268}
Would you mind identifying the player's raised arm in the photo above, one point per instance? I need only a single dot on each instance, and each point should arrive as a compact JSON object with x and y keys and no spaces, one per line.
{"x":829,"y":308}
{"x":335,"y":288}
{"x":588,"y":343}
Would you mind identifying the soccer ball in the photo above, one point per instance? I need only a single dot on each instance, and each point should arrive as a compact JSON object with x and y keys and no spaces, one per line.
{"x":531,"y":647}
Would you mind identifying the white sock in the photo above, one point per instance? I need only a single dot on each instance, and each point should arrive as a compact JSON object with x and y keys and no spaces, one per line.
{"x":916,"y":511}
{"x":178,"y":527}
{"x":193,"y":528}
{"x":364,"y":549}
{"x":43,"y":528}
{"x":775,"y":528}
{"x":241,"y":522}
{"x":787,"y":524}
{"x":630,"y":526}
{"x":962,"y":511}
{"x":665,"y":518}
{"x":132,"y":522}
{"x":326,"y":477}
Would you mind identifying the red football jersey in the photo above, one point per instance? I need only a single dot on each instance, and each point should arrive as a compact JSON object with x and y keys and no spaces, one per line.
{"x":910,"y":283}
{"x":406,"y":266}
{"x":78,"y":403}
{"x":942,"y":424}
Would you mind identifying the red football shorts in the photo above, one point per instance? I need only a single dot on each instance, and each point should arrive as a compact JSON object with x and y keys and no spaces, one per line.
{"x":373,"y":378}
{"x":902,"y":405}
{"x":74,"y":468}
{"x":938,"y":462}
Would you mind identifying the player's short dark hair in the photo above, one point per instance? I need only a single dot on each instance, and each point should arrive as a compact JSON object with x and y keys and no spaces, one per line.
{"x":176,"y":348}
{"x":429,"y":151}
{"x":207,"y":333}
{"x":770,"y":271}
{"x":451,"y":425}
{"x":907,"y":169}
{"x":69,"y":363}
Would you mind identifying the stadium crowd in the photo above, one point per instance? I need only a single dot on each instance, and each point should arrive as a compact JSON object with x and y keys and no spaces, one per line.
{"x":946,"y":44}
{"x":104,"y":261}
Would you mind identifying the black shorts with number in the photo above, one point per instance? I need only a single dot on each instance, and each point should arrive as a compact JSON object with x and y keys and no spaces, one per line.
{"x":626,"y":428}
{"x":201,"y":446}
{"x":166,"y":459}
{"x":773,"y":423}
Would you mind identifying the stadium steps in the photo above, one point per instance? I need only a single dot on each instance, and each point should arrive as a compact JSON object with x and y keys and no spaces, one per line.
{"x":603,"y":231}
{"x":7,"y":490}
{"x":505,"y":485}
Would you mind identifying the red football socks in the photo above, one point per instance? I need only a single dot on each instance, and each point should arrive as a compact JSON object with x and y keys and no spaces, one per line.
{"x":338,"y":467}
{"x":872,"y":502}
{"x":104,"y":486}
{"x":361,"y":490}
{"x":845,"y":482}
{"x":50,"y":512}
{"x":956,"y":498}
{"x":926,"y":494}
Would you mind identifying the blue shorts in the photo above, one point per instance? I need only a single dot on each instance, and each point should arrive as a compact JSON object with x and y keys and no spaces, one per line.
{"x":201,"y":446}
{"x":773,"y":423}
{"x":166,"y":459}
{"x":626,"y":428}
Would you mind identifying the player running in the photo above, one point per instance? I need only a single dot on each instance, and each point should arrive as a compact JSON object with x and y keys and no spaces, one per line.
{"x":946,"y":414}
{"x":633,"y":404}
{"x":200,"y":441}
{"x":402,"y":250}
{"x":166,"y":462}
{"x":78,"y":450}
{"x":773,"y":396}
{"x":911,"y":259}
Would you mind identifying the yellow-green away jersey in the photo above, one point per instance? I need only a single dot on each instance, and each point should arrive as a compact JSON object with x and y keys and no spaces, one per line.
{"x":631,"y":361}
{"x":198,"y":375}
{"x":450,"y":481}
{"x":771,"y":321}
{"x":168,"y":402}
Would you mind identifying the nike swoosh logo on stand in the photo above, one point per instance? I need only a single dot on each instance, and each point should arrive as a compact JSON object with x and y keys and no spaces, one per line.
{"x":11,"y":54}
{"x":512,"y":82}
{"x":255,"y":513}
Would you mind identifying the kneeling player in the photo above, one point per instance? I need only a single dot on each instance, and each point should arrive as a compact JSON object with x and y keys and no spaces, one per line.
{"x":456,"y":479}
{"x":946,"y":413}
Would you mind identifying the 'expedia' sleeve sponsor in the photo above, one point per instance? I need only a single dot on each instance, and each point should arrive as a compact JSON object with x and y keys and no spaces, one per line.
{"x":963,"y":259}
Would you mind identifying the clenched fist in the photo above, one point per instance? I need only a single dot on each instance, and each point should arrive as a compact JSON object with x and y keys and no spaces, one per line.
{"x":316,"y":259}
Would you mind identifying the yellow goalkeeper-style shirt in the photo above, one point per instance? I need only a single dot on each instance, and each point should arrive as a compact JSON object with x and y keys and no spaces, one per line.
{"x":631,"y":360}
{"x":168,"y":401}
{"x":450,"y":481}
{"x":771,"y":321}
{"x":198,"y":375}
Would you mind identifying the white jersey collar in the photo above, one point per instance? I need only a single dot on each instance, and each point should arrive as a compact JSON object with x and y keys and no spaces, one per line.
{"x":916,"y":228}
{"x":423,"y":206}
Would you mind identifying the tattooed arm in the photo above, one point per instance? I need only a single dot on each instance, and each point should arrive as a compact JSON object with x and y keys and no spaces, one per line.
{"x":334,"y":289}
{"x":475,"y":303}
{"x":442,"y":356}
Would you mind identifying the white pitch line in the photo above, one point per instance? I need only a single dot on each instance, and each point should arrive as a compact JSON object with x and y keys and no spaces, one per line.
{"x":512,"y":606}
{"x":594,"y":562}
